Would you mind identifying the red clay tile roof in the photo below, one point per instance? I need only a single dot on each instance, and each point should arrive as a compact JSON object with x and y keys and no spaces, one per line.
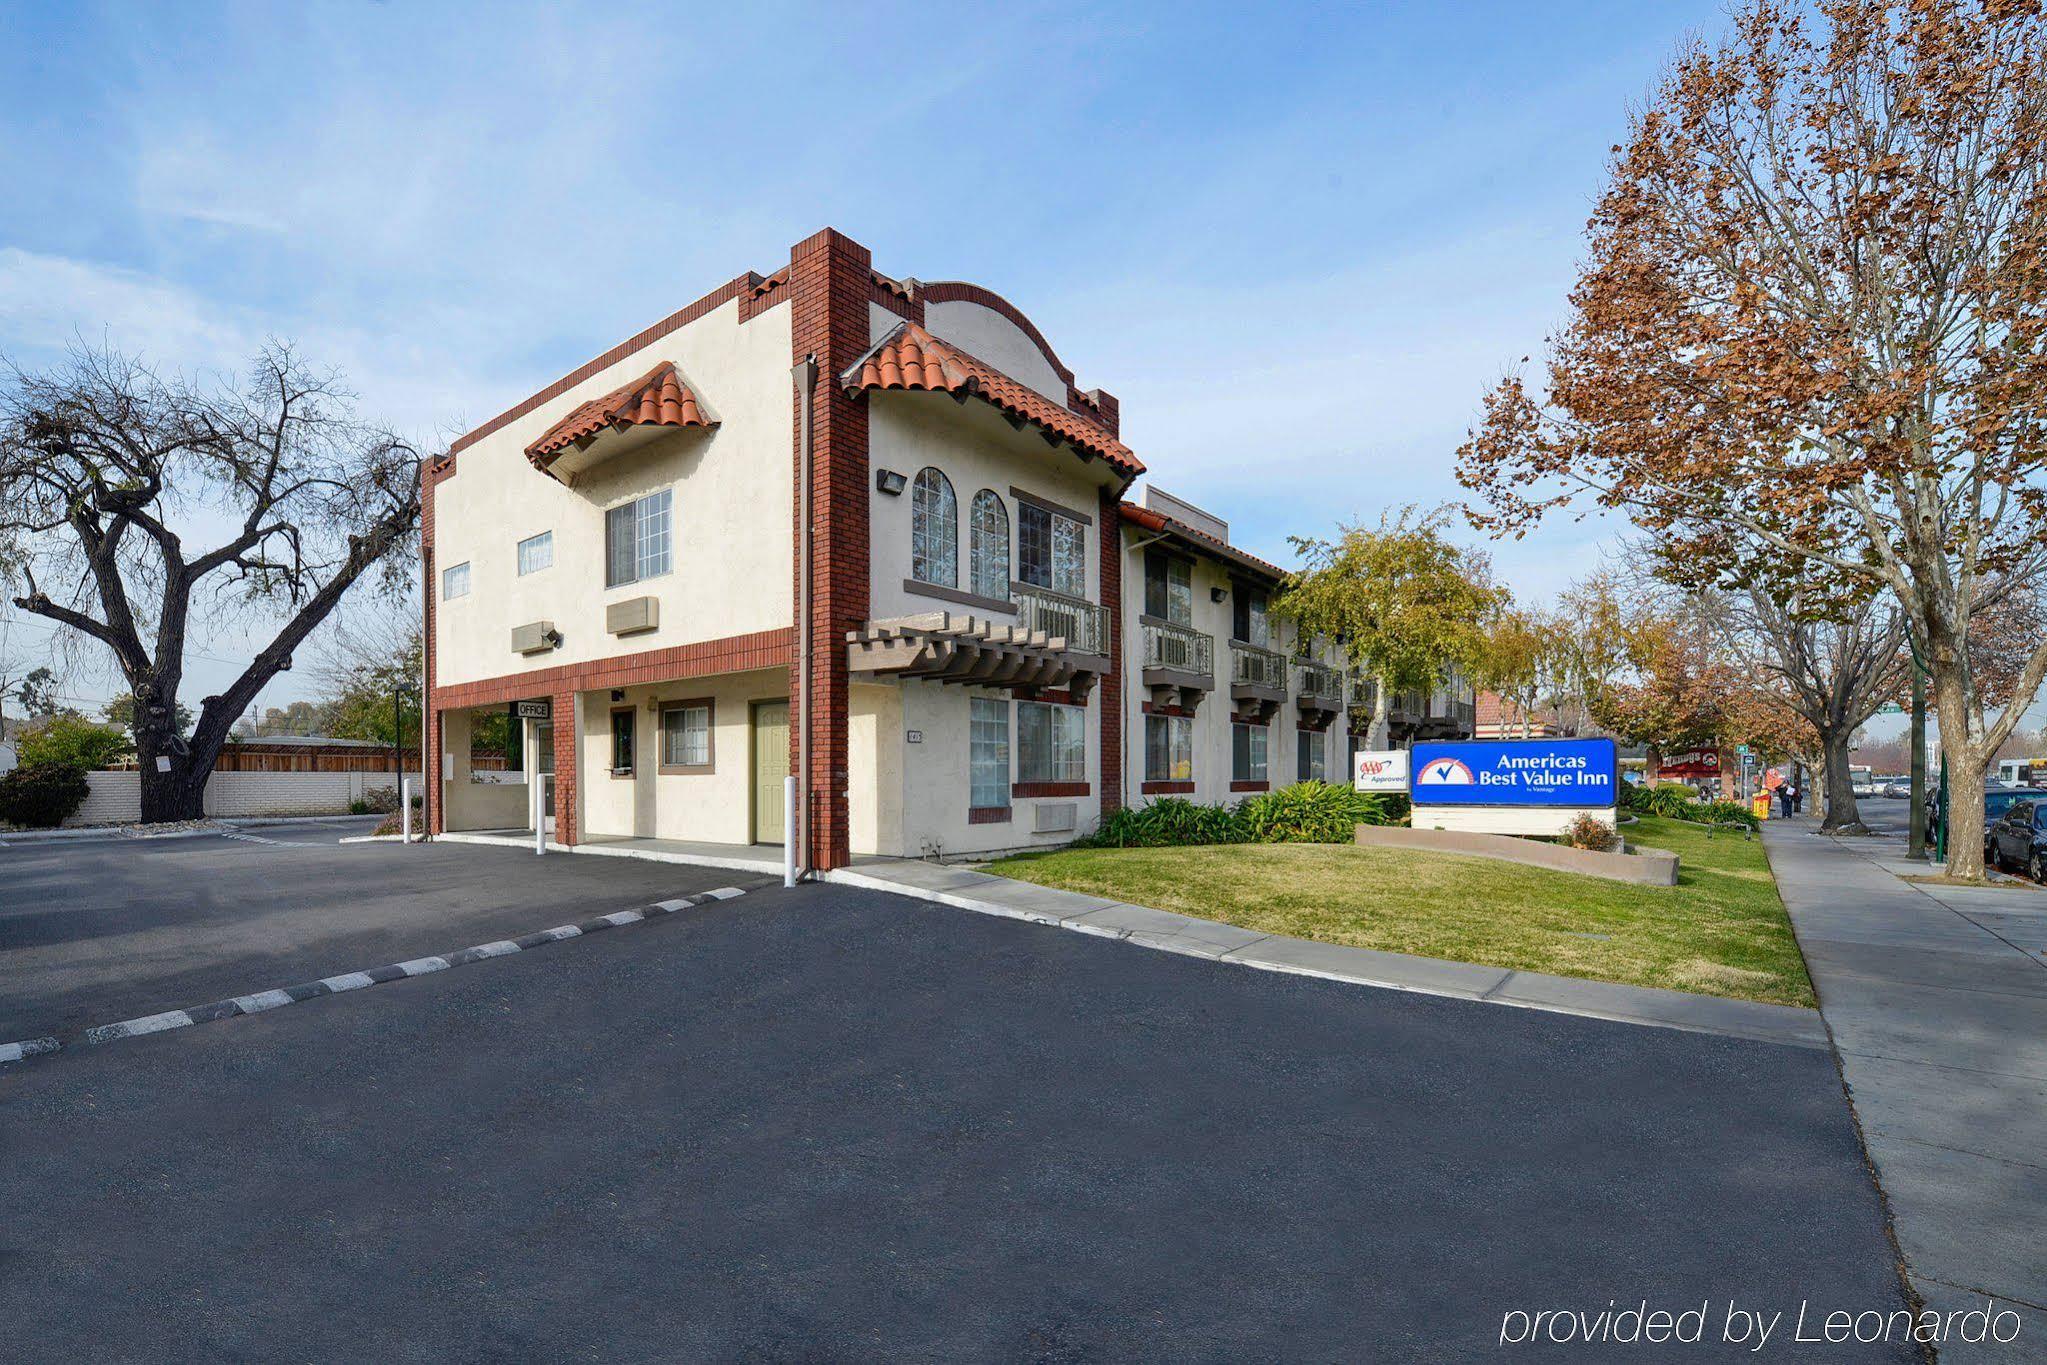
{"x":911,"y":358}
{"x":1200,"y":540}
{"x":658,"y":398}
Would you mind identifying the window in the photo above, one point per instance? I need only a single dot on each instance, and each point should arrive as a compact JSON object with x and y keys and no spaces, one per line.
{"x":622,"y":741}
{"x":934,"y":530}
{"x":988,"y":754}
{"x":1313,"y":756}
{"x":1250,"y":624}
{"x":1051,"y":550}
{"x":1247,"y":752}
{"x":637,"y":539}
{"x":1051,"y":742}
{"x":1168,"y":588}
{"x":988,"y":548}
{"x":686,"y":737}
{"x":536,"y":553}
{"x":1168,"y":749}
{"x":455,"y":581}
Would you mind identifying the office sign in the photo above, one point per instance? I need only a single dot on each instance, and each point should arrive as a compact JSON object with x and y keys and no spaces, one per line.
{"x":1580,"y":773}
{"x":533,"y":710}
{"x":1379,"y":770}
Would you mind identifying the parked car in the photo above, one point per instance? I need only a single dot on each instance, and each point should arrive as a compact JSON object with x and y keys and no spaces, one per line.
{"x":1996,"y":801}
{"x":1898,"y":789}
{"x":2017,"y":842}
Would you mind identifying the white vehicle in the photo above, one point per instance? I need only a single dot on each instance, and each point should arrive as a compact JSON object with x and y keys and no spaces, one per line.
{"x":1862,"y":779}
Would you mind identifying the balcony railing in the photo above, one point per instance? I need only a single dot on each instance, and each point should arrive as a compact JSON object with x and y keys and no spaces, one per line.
{"x":1319,"y":681}
{"x":1251,"y":666}
{"x":1083,"y":624}
{"x":1364,"y":693}
{"x":1179,"y":649}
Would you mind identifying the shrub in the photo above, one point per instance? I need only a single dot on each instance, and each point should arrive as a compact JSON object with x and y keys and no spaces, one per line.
{"x":384,"y":801}
{"x":1166,"y":823}
{"x":1590,"y":832}
{"x":72,"y":741}
{"x":42,"y":795}
{"x":360,"y":807}
{"x":1674,"y":801}
{"x":1311,"y":813}
{"x":388,"y":825}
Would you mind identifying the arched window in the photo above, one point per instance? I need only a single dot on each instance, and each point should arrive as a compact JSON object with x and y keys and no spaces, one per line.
{"x":934,"y":530}
{"x":988,"y":546}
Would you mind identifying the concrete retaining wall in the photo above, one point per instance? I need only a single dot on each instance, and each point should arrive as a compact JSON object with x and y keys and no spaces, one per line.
{"x":1642,"y":866}
{"x":116,"y":797}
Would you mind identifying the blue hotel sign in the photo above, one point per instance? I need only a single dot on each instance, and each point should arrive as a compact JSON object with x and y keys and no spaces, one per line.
{"x":1515,"y":772}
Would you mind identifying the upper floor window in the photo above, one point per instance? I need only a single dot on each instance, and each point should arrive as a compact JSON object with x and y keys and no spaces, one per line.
{"x":1051,"y":550}
{"x":988,"y":546}
{"x":455,"y":581}
{"x":1168,"y":588}
{"x":637,"y":539}
{"x":536,"y":553}
{"x":1250,"y":624}
{"x":934,"y":530}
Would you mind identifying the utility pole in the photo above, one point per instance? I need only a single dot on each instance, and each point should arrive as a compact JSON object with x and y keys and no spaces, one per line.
{"x":397,"y":736}
{"x":1917,"y":847}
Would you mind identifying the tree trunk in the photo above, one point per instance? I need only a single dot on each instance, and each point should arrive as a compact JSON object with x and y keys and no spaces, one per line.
{"x":1841,"y":816}
{"x":173,"y":775}
{"x":1382,"y":705}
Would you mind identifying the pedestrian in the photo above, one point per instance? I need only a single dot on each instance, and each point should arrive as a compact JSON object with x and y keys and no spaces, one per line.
{"x":1797,"y":800}
{"x":1784,"y":799}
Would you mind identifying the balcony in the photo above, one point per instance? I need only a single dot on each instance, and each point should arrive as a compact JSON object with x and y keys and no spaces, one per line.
{"x":1179,"y":663}
{"x":1364,"y":694}
{"x":1318,"y":687}
{"x":1080,"y":623}
{"x":1257,"y":678}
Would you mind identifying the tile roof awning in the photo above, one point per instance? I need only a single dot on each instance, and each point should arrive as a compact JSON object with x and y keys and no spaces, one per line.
{"x":965,"y":649}
{"x":655,"y":400}
{"x":910,"y":358}
{"x":1146,"y":519}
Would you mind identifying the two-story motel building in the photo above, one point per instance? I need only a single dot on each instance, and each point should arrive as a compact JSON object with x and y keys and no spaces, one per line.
{"x":860,"y":530}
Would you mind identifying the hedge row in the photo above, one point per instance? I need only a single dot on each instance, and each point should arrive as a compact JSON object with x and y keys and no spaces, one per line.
{"x":1674,"y":801}
{"x":1305,"y":813}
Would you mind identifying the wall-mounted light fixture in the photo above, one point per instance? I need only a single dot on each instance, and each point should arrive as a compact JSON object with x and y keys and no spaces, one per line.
{"x":1217,"y":594}
{"x":618,"y":694}
{"x":890,"y":482}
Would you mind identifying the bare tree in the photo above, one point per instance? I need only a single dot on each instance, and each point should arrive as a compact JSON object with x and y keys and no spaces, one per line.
{"x":105,"y":467}
{"x":1814,"y":314}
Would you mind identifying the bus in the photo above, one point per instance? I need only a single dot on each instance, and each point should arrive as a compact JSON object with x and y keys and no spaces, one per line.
{"x":1861,"y":779}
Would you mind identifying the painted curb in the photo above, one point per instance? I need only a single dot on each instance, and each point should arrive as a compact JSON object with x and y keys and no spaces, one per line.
{"x":339,"y":984}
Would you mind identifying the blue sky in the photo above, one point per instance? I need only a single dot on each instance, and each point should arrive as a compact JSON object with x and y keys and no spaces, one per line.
{"x":1297,"y":244}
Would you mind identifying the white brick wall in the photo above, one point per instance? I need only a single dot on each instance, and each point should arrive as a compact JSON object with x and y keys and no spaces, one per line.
{"x":116,"y":797}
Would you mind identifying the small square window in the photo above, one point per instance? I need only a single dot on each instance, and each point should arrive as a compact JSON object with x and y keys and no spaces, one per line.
{"x":536,"y":553}
{"x":455,"y":581}
{"x":686,"y":737}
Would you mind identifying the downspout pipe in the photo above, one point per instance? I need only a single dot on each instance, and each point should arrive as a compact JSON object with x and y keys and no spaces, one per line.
{"x":805,"y":376}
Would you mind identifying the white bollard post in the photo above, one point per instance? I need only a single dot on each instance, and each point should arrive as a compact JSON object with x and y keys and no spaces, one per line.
{"x":540,"y":813}
{"x":405,"y":808}
{"x":789,"y":830}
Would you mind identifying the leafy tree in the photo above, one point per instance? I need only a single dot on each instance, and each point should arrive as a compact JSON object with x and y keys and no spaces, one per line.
{"x":73,"y":741}
{"x":104,"y":468}
{"x":373,"y":688}
{"x":38,"y":693}
{"x":1407,"y":604}
{"x":1814,"y":315}
{"x":1521,"y":660}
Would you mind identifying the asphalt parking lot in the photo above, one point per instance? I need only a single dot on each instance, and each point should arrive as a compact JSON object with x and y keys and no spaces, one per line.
{"x":827,"y":1123}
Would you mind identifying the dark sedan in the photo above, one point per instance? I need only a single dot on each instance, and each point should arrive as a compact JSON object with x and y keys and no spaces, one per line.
{"x":2018,"y":841}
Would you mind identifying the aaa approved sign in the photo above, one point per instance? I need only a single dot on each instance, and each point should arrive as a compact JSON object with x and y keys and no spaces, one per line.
{"x":1379,"y":770}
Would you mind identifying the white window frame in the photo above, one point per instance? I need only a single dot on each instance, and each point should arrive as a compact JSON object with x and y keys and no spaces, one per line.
{"x":1062,"y":574}
{"x":451,"y":576}
{"x":540,"y":549}
{"x":988,"y":729}
{"x":694,"y":730}
{"x":652,"y":519}
{"x":1178,"y":748}
{"x":1064,"y":729}
{"x":934,"y":529}
{"x":988,"y":546}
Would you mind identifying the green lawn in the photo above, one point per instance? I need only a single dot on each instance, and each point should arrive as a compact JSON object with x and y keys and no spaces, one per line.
{"x":1720,"y":931}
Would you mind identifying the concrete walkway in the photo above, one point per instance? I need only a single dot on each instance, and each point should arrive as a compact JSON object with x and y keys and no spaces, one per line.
{"x":1164,"y":929}
{"x":1937,"y":1002}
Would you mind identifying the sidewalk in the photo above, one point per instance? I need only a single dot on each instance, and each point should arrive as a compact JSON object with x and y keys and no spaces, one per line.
{"x":1936,"y":998}
{"x":1176,"y":933}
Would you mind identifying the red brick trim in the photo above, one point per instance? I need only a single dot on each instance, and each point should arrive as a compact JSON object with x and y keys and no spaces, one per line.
{"x":733,"y":654}
{"x":1154,"y":709}
{"x":1250,"y":786}
{"x":567,"y":780}
{"x":988,"y":815}
{"x":1167,"y":788}
{"x":959,"y":291}
{"x":1050,"y":789}
{"x":1109,"y":505}
{"x":750,"y":286}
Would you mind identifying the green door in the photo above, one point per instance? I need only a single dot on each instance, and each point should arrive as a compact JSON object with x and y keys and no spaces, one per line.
{"x":770,"y":767}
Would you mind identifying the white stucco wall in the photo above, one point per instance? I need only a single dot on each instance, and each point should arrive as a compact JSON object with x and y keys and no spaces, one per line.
{"x":974,"y":448}
{"x":470,"y":804}
{"x":987,"y":335}
{"x":115,"y":798}
{"x":732,"y":525}
{"x":715,"y":806}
